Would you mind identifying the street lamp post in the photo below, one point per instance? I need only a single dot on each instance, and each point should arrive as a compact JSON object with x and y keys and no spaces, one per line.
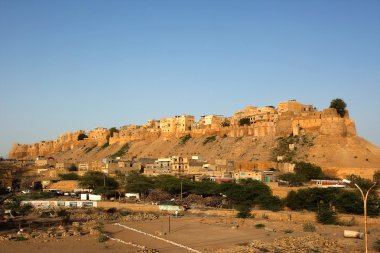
{"x":365,"y":197}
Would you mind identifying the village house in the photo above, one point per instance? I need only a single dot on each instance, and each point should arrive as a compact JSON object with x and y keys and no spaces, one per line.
{"x":294,"y":106}
{"x":84,"y":166}
{"x":62,"y":166}
{"x":255,"y":114}
{"x":262,"y":176}
{"x":45,"y":162}
{"x":160,"y":167}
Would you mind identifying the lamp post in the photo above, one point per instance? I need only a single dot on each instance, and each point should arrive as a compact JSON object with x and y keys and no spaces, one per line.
{"x":365,"y":197}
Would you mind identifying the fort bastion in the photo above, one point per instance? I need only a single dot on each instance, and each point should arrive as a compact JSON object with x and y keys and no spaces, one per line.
{"x":290,"y":117}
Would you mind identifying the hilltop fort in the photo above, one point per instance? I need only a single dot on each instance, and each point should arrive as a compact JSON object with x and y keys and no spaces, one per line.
{"x":290,"y":132}
{"x":289,"y":117}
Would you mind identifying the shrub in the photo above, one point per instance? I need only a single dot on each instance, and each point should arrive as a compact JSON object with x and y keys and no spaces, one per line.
{"x":326,"y":216}
{"x":124,"y":149}
{"x":25,"y":209}
{"x":88,"y":150}
{"x":103,"y":237}
{"x":209,"y":139}
{"x":73,"y":167}
{"x":244,"y":121}
{"x":113,"y":130}
{"x":184,"y":139}
{"x":225,"y":123}
{"x":69,"y":176}
{"x":259,"y":225}
{"x":339,"y":105}
{"x":82,"y":136}
{"x":112,"y":210}
{"x":269,"y":202}
{"x":244,"y":211}
{"x":105,"y":145}
{"x":376,"y":245}
{"x":20,"y":238}
{"x":308,"y":227}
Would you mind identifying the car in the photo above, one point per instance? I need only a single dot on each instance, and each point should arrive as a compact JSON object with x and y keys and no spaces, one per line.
{"x":25,"y":191}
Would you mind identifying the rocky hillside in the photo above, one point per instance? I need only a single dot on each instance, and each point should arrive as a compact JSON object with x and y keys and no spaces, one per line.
{"x":337,"y":155}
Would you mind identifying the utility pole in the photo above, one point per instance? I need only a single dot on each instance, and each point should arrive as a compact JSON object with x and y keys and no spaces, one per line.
{"x":365,"y":197}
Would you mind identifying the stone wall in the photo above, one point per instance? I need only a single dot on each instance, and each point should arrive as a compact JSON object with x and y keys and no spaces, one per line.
{"x":326,"y":122}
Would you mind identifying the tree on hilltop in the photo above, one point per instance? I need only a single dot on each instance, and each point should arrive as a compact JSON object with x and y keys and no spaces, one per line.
{"x":82,"y":136}
{"x":113,"y":130}
{"x":339,"y":105}
{"x":244,"y":121}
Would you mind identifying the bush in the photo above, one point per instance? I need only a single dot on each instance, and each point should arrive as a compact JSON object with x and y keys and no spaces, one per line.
{"x":104,"y":145}
{"x":184,"y":139}
{"x":82,"y":136}
{"x":244,"y":121}
{"x":308,"y":227}
{"x":326,"y":216}
{"x":124,"y":149}
{"x":269,"y":202}
{"x":25,"y":209}
{"x":113,"y":130}
{"x":73,"y":167}
{"x":244,"y":211}
{"x":103,"y":238}
{"x":259,"y":225}
{"x":20,"y":238}
{"x":339,"y":105}
{"x":376,"y":245}
{"x":225,"y":123}
{"x":209,"y":139}
{"x":112,"y":210}
{"x":69,"y":176}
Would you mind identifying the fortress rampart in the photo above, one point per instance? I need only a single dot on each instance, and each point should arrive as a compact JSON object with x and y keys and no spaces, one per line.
{"x":290,"y":117}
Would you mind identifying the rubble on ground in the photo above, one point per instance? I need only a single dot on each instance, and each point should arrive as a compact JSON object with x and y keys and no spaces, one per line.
{"x":304,"y":244}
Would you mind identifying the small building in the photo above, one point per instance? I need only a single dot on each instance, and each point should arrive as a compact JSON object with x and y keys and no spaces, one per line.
{"x":263,"y":176}
{"x":324,"y":183}
{"x":45,"y":162}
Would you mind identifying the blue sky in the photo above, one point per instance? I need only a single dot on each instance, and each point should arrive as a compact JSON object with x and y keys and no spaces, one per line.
{"x":69,"y":65}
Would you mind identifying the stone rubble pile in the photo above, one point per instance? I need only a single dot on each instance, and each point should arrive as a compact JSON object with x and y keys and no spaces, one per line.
{"x":305,"y":244}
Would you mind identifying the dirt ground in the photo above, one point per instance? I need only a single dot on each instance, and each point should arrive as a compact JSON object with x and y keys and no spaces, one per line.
{"x":84,"y":244}
{"x":204,"y":234}
{"x":212,"y":233}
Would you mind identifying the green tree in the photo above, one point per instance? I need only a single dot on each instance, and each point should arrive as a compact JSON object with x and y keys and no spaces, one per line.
{"x":269,"y":202}
{"x":69,"y":176}
{"x":138,"y":183}
{"x":326,"y":216}
{"x":72,"y":167}
{"x":306,"y":171}
{"x":363,"y":183}
{"x":205,"y":188}
{"x":113,"y":130}
{"x":184,"y":139}
{"x":339,"y":105}
{"x":291,"y":178}
{"x":225,"y":123}
{"x":376,"y":177}
{"x":99,"y":182}
{"x":170,"y":184}
{"x":244,"y":121}
{"x":82,"y":136}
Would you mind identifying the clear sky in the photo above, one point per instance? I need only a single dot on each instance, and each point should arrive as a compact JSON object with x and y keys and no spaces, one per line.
{"x":69,"y":65}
